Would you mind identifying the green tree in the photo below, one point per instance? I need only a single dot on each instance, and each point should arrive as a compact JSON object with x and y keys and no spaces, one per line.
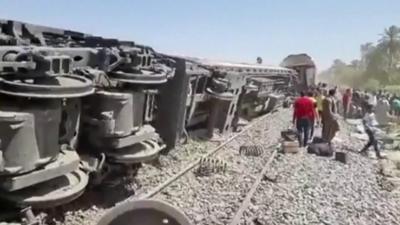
{"x":377,"y":66}
{"x":390,"y":43}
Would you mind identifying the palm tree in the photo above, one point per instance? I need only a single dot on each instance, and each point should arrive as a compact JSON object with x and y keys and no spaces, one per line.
{"x":390,"y":42}
{"x":378,"y":64}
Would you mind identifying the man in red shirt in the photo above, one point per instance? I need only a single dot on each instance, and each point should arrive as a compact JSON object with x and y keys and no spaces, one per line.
{"x":303,"y":114}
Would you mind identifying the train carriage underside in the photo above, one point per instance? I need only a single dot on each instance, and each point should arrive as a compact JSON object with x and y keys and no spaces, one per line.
{"x":77,"y":109}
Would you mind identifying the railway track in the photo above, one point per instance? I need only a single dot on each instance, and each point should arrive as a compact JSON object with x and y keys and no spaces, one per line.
{"x":302,"y":193}
{"x":176,"y":170}
{"x":205,"y":196}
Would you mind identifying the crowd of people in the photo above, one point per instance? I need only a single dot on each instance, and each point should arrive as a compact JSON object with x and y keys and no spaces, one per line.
{"x":321,"y":106}
{"x":316,"y":108}
{"x":362,"y":100}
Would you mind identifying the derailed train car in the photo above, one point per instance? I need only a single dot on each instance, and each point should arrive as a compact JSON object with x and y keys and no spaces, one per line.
{"x":64,"y":93}
{"x":262,"y":86}
{"x":219,"y":93}
{"x":78,"y":109}
{"x":305,"y":68}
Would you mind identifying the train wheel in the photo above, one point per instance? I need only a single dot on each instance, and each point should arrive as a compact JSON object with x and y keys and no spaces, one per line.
{"x":144,"y":212}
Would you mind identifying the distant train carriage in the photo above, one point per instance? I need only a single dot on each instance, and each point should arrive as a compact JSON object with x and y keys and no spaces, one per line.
{"x":305,"y":67}
{"x":264,"y":86}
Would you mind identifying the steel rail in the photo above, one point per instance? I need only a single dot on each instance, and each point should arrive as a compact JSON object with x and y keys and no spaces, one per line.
{"x":249,"y":196}
{"x":196,"y":162}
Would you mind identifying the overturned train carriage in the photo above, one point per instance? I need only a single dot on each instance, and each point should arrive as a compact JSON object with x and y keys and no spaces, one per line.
{"x":37,"y":90}
{"x":255,"y":89}
{"x":64,"y":93}
{"x":77,"y":109}
{"x":219,"y":93}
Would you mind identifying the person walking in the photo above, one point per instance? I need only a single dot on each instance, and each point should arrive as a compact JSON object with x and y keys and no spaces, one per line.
{"x":330,"y":125}
{"x":319,"y":98}
{"x":396,"y":106}
{"x":364,"y":103}
{"x":391,"y":99}
{"x":372,"y":100}
{"x":382,"y":112}
{"x":370,"y":125}
{"x":313,"y":119}
{"x":346,"y":101}
{"x":302,"y":114}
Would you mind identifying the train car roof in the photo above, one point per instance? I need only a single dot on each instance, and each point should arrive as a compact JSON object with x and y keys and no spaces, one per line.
{"x":298,"y":60}
{"x":247,"y":65}
{"x":218,"y":63}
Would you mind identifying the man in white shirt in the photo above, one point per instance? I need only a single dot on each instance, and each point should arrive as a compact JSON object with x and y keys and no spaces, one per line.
{"x":382,"y":110}
{"x":370,"y":125}
{"x":372,"y":99}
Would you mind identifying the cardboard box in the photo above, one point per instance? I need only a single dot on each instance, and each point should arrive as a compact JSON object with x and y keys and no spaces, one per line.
{"x":290,"y":146}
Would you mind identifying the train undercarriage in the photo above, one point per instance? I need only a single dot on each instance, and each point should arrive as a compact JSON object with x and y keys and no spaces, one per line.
{"x":78,"y":110}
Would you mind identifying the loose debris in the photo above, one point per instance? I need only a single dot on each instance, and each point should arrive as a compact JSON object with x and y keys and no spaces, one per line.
{"x":251,"y":150}
{"x":209,"y":165}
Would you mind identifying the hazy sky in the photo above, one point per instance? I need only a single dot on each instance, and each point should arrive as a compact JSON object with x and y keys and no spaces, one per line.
{"x":235,"y":30}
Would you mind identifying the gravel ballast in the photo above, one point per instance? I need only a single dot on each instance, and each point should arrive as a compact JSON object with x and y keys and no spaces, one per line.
{"x":216,"y":198}
{"x":318,"y":190}
{"x":304,"y":189}
{"x":94,"y":203}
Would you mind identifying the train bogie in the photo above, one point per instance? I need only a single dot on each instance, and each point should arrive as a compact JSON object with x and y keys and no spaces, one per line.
{"x":37,"y":152}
